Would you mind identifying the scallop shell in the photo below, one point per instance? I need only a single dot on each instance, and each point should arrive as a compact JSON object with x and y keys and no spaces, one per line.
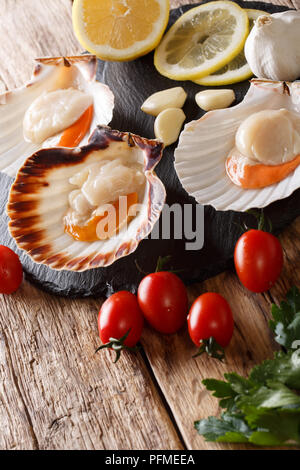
{"x":38,"y":202}
{"x":49,"y":74}
{"x":205,"y":144}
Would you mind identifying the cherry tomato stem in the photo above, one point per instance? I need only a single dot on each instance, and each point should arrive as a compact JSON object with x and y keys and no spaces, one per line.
{"x":212,"y":348}
{"x":118,"y":345}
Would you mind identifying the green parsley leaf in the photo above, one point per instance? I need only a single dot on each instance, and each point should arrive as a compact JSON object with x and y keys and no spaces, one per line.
{"x":238,"y":383}
{"x":221,"y":389}
{"x":264,"y":438}
{"x":286,"y":320}
{"x":227,"y":428}
{"x":284,"y":368}
{"x":282,"y":424}
{"x":275,"y":395}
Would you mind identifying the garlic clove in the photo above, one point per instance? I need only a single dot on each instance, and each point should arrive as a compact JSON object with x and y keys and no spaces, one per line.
{"x":214,"y":99}
{"x":168,"y":124}
{"x":170,"y":98}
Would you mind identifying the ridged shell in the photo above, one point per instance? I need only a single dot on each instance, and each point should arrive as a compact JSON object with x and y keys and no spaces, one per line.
{"x":205,"y":144}
{"x":38,"y":202}
{"x":49,"y":74}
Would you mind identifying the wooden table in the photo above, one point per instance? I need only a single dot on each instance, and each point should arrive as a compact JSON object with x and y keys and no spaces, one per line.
{"x":55,"y":393}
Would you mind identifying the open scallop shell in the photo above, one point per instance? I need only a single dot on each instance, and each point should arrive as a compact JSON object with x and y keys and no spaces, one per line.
{"x":39,"y":200}
{"x":205,"y":144}
{"x":49,"y":74}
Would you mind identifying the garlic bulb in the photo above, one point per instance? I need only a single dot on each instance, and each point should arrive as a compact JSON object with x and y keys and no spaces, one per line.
{"x":272,"y":48}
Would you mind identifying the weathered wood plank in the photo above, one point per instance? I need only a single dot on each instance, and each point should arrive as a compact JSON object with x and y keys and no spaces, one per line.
{"x":56,"y":393}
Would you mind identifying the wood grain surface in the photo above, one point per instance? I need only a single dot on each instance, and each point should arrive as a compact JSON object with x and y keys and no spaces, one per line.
{"x":55,"y":393}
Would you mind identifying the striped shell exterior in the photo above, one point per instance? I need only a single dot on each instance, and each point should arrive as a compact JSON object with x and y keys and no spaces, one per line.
{"x":49,"y":74}
{"x":205,"y":144}
{"x":38,"y":202}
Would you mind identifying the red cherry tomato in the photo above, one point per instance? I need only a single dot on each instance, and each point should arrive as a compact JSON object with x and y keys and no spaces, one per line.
{"x":258,"y":260}
{"x":210,"y":316}
{"x":11,"y":271}
{"x":163,"y":299}
{"x":119,"y":314}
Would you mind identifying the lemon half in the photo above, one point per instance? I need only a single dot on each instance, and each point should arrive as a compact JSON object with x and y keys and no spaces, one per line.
{"x":238,"y":69}
{"x":120,"y":29}
{"x":202,"y":40}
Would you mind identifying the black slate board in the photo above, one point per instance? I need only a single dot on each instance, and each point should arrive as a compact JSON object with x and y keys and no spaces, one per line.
{"x":132,"y":83}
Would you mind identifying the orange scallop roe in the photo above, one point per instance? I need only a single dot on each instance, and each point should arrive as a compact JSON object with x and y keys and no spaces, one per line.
{"x":88,"y":232}
{"x":74,"y":134}
{"x":260,"y":175}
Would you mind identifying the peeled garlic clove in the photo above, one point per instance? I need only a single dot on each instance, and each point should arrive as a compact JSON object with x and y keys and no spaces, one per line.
{"x":170,"y":98}
{"x":214,"y":99}
{"x":168,"y":124}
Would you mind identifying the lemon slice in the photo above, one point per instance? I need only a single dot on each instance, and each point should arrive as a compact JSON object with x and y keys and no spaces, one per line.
{"x":238,"y":69}
{"x":120,"y":29}
{"x":202,"y":40}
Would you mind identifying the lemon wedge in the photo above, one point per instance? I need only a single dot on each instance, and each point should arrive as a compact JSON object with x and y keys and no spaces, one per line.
{"x":238,"y":69}
{"x":120,"y":29}
{"x":202,"y":40}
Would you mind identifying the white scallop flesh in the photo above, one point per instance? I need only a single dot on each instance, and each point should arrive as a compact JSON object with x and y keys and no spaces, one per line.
{"x":102,"y":183}
{"x":54,"y":112}
{"x":270,"y":137}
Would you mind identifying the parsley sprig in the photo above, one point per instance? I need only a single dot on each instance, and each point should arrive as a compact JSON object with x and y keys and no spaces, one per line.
{"x":263,"y":409}
{"x":286,"y":320}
